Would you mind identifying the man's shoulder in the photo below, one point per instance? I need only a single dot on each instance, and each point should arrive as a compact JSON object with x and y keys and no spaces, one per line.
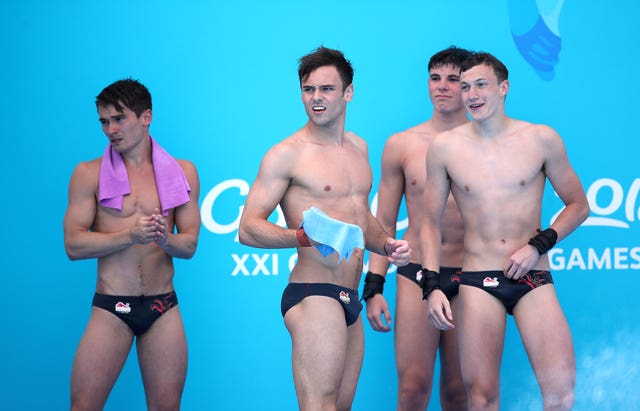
{"x":451,"y":135}
{"x":185,"y":162}
{"x":89,"y":166}
{"x":533,"y":130}
{"x":421,"y":130}
{"x":449,"y":143}
{"x":408,"y":138}
{"x":355,"y":139}
{"x":187,"y":166}
{"x":293,"y":142}
{"x":283,"y":154}
{"x":85,"y":175}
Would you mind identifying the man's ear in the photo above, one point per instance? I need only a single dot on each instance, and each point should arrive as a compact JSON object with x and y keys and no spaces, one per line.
{"x":348,"y":92}
{"x":147,"y":116}
{"x":504,"y":88}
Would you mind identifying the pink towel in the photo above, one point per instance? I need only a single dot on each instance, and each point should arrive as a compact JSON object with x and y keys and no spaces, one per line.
{"x":173,"y":187}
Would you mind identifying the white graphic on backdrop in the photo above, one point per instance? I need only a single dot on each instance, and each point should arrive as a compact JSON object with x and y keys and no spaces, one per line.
{"x":618,"y":200}
{"x":613,"y":207}
{"x":615,"y":258}
{"x":208,"y":203}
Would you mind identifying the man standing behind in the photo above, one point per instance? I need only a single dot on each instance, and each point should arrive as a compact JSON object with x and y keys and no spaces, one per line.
{"x":322,"y":166}
{"x":404,"y":173}
{"x":496,"y":168}
{"x":123,"y":210}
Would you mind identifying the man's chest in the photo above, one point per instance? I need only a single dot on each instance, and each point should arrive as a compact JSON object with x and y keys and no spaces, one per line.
{"x":509,"y":170}
{"x":340,"y":177}
{"x":144,"y":193}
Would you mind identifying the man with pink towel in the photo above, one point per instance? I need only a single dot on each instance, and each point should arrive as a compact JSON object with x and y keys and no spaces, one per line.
{"x":134,"y":209}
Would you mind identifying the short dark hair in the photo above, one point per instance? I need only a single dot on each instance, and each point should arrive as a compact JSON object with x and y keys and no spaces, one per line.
{"x":323,"y":56}
{"x":127,"y":92}
{"x":452,"y":55}
{"x":481,"y":57}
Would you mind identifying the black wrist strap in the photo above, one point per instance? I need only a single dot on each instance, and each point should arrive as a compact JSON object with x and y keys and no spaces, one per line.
{"x":544,"y":241}
{"x":430,"y":281}
{"x":373,"y":284}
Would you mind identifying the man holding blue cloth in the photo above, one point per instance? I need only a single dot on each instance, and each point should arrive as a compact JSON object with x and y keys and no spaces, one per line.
{"x":321,"y":178}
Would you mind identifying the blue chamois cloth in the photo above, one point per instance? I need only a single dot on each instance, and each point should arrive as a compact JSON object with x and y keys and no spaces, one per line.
{"x":333,"y":235}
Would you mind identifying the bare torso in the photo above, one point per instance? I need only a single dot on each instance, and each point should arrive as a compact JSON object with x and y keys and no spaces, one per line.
{"x":140,"y":269}
{"x":335,"y":178}
{"x":501,"y":198}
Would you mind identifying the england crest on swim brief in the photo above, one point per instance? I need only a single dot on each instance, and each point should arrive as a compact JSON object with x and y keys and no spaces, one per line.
{"x":123,"y":308}
{"x":419,"y":275}
{"x":344,"y":297}
{"x":490,"y":282}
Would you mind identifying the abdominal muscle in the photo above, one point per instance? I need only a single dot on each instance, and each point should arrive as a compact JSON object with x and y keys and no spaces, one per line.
{"x":137,"y":270}
{"x":486,"y":255}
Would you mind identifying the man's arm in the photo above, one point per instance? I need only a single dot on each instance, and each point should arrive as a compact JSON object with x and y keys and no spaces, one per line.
{"x":436,"y":194}
{"x":266,"y":192}
{"x":79,"y":241}
{"x":390,"y":191}
{"x":183,"y":243}
{"x":568,"y":187}
{"x":377,"y":240}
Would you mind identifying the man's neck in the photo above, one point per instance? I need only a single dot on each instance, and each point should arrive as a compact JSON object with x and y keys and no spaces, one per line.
{"x":491,"y":127}
{"x":329,"y":133}
{"x":140,"y":154}
{"x":446,"y":121}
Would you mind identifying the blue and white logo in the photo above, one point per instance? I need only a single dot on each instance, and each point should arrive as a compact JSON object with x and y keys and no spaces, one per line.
{"x":534,"y":28}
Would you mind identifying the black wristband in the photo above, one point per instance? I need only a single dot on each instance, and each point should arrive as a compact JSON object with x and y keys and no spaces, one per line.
{"x":373,"y":284}
{"x":544,"y":241}
{"x":430,"y":281}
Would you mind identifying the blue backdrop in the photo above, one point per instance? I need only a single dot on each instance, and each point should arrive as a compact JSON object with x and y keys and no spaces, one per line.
{"x":225,"y":88}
